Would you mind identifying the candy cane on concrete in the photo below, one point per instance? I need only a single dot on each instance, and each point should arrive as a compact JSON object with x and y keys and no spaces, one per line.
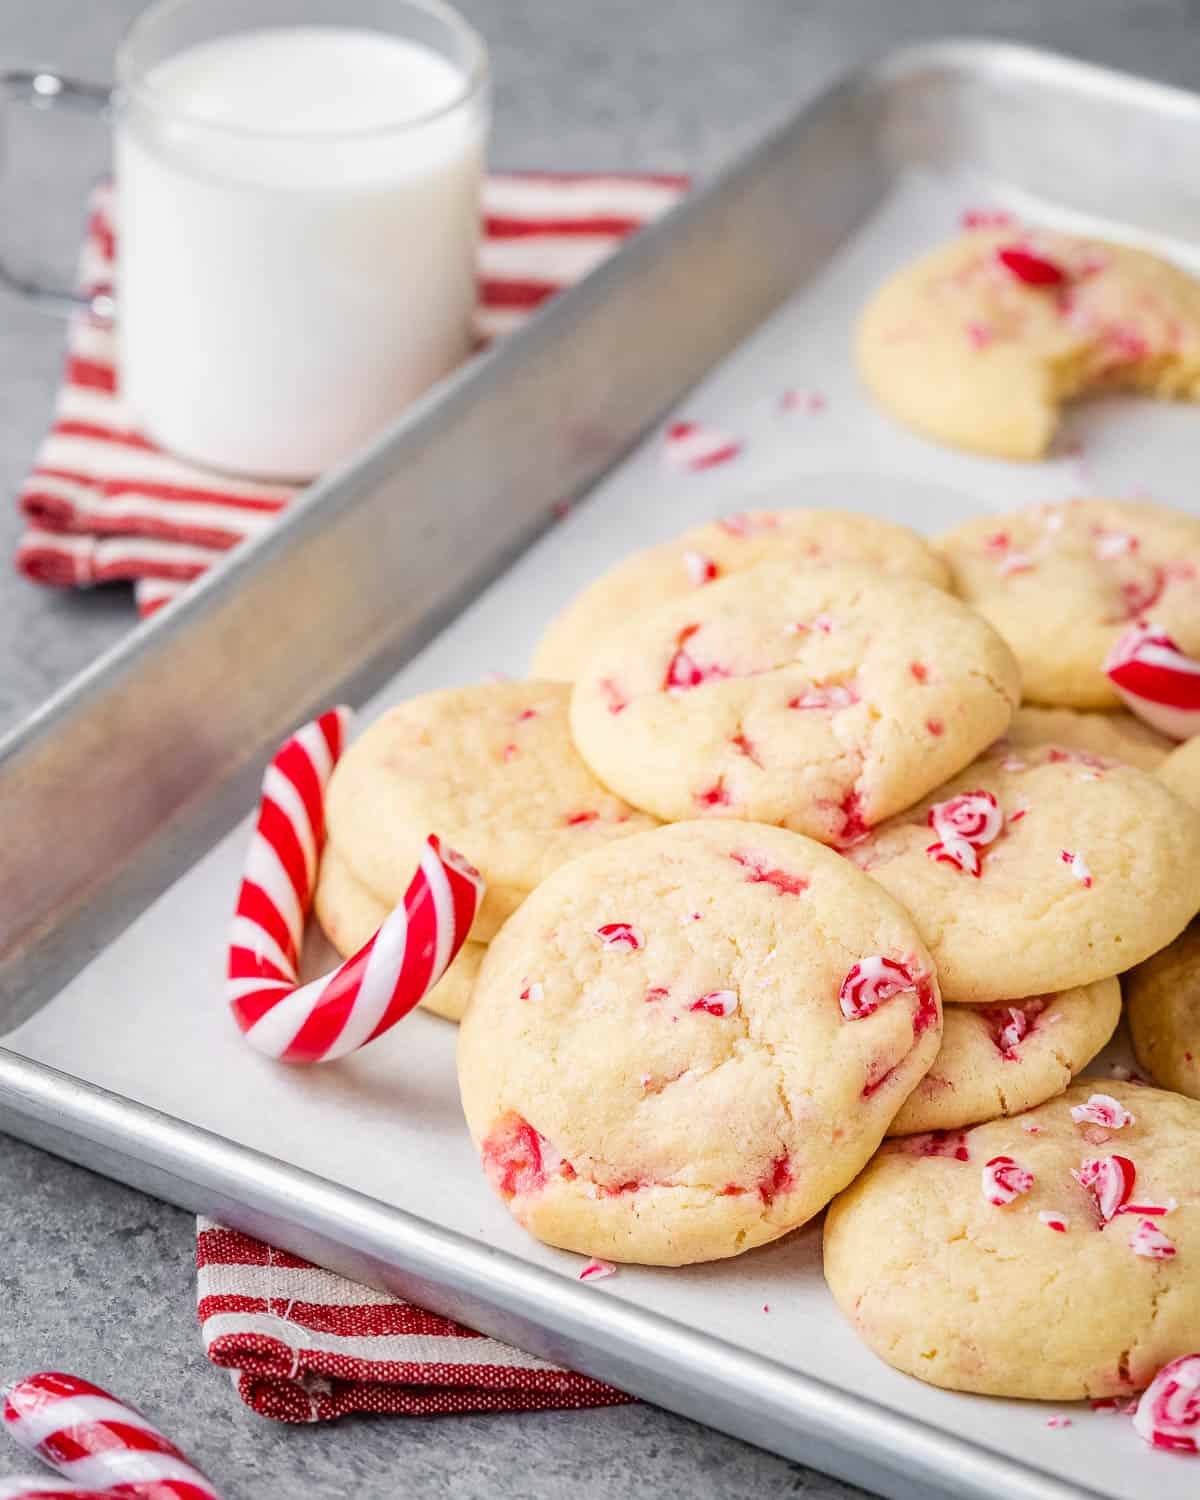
{"x":97,"y":1442}
{"x":388,"y":976}
{"x":1157,"y":681}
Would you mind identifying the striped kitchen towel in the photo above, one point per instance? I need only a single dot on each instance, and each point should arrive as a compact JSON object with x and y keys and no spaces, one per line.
{"x":103,"y":503}
{"x":304,"y":1345}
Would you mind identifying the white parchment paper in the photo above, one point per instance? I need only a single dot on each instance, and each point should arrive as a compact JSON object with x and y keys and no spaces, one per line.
{"x":147,"y":1019}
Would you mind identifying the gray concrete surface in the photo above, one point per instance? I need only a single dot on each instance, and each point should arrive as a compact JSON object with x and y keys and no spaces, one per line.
{"x":98,"y":1279}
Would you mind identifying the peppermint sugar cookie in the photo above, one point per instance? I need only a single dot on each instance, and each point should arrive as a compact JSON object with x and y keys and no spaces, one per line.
{"x":680,"y":1047}
{"x":348,"y":914}
{"x":1181,"y":771}
{"x":1063,"y":582}
{"x":818,"y":699}
{"x":1001,"y":1059}
{"x":1115,"y":736}
{"x":1162,"y":1002}
{"x":676,"y":569}
{"x":493,"y":771}
{"x":1038,"y":870}
{"x":980,"y":342}
{"x":1052,"y":1256}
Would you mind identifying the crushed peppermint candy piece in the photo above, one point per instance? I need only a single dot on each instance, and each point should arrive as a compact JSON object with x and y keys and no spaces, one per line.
{"x":1078,"y":867}
{"x":1168,"y":1413}
{"x":956,"y":851}
{"x":699,"y":568}
{"x":974,"y":816}
{"x":535,"y":992}
{"x":1055,"y":1220}
{"x":1110,"y":544}
{"x":869,"y":983}
{"x":1004,"y":1181}
{"x":1110,"y":1181}
{"x":1102,"y":1109}
{"x":596,"y":1270}
{"x":1014,"y":562}
{"x":835,"y":696}
{"x":716,"y":1003}
{"x":1153,"y":1210}
{"x":622,"y":936}
{"x":694,"y":446}
{"x":1149,"y":1241}
{"x":795,"y":399}
{"x":1058,"y":1420}
{"x":1029,"y":267}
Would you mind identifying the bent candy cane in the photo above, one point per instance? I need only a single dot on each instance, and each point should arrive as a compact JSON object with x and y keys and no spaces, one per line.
{"x":386,"y":978}
{"x":100,"y":1445}
{"x":1157,"y":681}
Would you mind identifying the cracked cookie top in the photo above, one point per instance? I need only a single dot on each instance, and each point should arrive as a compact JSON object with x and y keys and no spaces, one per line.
{"x":677,"y":568}
{"x":1000,"y":1059}
{"x":1039,"y":868}
{"x":819,"y":700}
{"x":492,"y":770}
{"x":1051,"y":1256}
{"x":683,"y":1045}
{"x":1063,"y":582}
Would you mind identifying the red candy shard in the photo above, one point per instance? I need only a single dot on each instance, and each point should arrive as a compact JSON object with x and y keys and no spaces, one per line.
{"x":870,"y":983}
{"x":835,"y":696}
{"x":1011,"y":1024}
{"x":513,"y":1157}
{"x":776,"y":1179}
{"x":659,"y":992}
{"x":1102,"y":1109}
{"x":957,"y":852}
{"x":919,"y":671}
{"x":1032,"y":269}
{"x":693,"y":446}
{"x":699,"y":568}
{"x":742,"y":525}
{"x":614,"y":698}
{"x":573,"y":820}
{"x":935,"y":727}
{"x":1004,"y":1181}
{"x":716,"y":1003}
{"x":986,"y":218}
{"x":974,"y":816}
{"x":1078,"y":867}
{"x":534,"y":991}
{"x":1168,"y":1413}
{"x":596,"y":1270}
{"x":1149,"y":1241}
{"x":854,"y":827}
{"x":1052,"y":1219}
{"x":683,"y":671}
{"x":621,"y":936}
{"x":760,"y":873}
{"x":716,"y":795}
{"x":1109,"y":1180}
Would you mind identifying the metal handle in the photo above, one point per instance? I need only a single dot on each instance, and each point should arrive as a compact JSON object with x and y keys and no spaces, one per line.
{"x":42,"y":90}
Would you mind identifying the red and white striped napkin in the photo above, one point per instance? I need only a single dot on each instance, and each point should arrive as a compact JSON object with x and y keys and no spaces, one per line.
{"x":103,"y":503}
{"x":304,"y":1345}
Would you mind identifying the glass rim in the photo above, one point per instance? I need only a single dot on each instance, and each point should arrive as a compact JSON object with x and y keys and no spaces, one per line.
{"x":131,"y":82}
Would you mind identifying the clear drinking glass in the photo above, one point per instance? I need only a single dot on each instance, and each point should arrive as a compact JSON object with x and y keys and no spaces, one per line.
{"x":297,"y":216}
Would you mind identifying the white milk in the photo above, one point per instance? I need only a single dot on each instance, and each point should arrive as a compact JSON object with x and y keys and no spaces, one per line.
{"x":289,"y":280}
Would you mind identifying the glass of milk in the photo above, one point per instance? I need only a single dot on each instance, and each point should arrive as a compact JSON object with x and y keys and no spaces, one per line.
{"x":297,"y":216}
{"x":297,"y":219}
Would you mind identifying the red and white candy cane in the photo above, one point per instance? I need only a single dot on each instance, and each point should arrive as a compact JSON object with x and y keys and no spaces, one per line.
{"x":388,"y":976}
{"x":1157,"y":681}
{"x":98,"y":1444}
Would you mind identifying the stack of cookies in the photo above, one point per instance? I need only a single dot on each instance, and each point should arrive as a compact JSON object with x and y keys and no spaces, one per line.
{"x":814,"y":855}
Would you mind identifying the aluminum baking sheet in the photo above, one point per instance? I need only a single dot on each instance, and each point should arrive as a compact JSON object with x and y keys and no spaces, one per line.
{"x":366,"y":1163}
